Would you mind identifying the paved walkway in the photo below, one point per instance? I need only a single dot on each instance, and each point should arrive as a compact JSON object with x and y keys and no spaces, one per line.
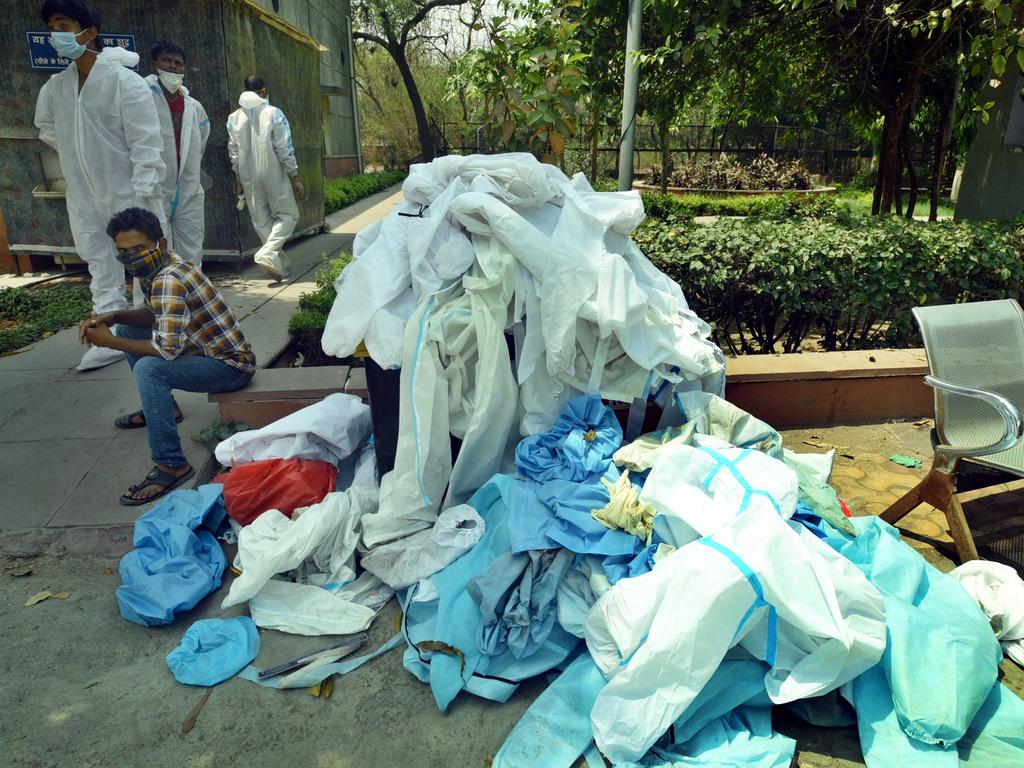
{"x":64,"y":465}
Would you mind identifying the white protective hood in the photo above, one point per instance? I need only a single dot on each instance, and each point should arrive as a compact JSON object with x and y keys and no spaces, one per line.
{"x":251,"y":100}
{"x":119,"y":55}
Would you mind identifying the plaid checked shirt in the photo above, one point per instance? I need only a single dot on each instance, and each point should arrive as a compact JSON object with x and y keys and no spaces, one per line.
{"x":192,"y":318}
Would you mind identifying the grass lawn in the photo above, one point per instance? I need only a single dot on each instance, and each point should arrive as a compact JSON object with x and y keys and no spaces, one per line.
{"x":859,"y":201}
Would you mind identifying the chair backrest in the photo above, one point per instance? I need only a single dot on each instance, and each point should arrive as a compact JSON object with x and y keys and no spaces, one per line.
{"x":978,"y":345}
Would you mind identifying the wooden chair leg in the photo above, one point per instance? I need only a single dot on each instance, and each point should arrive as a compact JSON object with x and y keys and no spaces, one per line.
{"x":905,"y":505}
{"x":938,"y":489}
{"x":960,"y":531}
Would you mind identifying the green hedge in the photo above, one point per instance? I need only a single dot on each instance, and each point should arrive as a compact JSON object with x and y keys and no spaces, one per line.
{"x":782,"y":206}
{"x":30,"y":314}
{"x":852,"y":280}
{"x":344,"y":191}
{"x":307,"y":325}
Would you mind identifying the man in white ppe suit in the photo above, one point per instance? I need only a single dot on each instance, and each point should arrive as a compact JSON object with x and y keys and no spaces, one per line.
{"x":185,"y":129}
{"x":99,"y":117}
{"x":263,"y":158}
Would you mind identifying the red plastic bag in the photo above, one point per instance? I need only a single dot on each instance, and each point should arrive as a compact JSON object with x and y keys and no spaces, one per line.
{"x":281,"y":484}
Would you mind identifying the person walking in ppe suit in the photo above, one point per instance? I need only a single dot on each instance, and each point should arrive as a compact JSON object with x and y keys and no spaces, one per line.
{"x":185,"y":129}
{"x":263,"y":158}
{"x":99,"y":117}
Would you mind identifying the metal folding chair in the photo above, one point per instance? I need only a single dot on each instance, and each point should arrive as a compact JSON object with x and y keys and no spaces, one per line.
{"x":976,"y":356}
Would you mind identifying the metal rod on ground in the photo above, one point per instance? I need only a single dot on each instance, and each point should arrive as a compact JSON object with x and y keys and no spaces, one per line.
{"x":629,"y":91}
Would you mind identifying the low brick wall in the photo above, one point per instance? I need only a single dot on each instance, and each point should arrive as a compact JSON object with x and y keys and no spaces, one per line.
{"x":817,"y":388}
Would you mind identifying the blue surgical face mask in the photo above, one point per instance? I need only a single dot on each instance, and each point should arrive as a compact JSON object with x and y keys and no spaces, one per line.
{"x":66,"y":44}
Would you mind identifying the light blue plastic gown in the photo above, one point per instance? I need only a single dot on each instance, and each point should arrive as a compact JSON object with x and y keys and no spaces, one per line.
{"x":516,"y":597}
{"x":626,"y":566}
{"x":728,"y":724}
{"x":214,"y":650}
{"x":933,"y":700}
{"x":556,"y":728}
{"x":552,"y":502}
{"x":452,"y":620}
{"x":942,"y":658}
{"x":558,"y":513}
{"x":741,"y":739}
{"x":176,"y":561}
{"x":579,"y":444}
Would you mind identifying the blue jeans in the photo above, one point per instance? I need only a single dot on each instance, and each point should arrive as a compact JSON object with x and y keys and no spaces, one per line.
{"x":156,"y":377}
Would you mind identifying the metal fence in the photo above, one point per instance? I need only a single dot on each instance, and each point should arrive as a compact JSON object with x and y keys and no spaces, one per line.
{"x":835,"y":154}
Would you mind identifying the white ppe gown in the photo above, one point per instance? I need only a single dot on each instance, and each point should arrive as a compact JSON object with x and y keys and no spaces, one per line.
{"x":108,"y":139}
{"x":183,"y":195}
{"x":263,"y":158}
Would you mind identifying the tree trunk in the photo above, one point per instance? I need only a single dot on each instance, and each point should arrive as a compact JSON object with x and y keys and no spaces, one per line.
{"x":942,"y":141}
{"x":897,"y":117}
{"x":594,"y":138}
{"x":912,"y":200}
{"x":889,"y":164}
{"x":665,"y":155}
{"x":422,"y":125}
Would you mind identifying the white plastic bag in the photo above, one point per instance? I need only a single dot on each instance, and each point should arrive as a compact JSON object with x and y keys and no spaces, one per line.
{"x":330,"y":430}
{"x":999,"y":592}
{"x":273,"y":543}
{"x":302,"y":609}
{"x":406,"y":561}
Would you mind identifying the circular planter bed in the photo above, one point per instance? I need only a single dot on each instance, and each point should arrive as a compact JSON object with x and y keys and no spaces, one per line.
{"x":680,"y":191}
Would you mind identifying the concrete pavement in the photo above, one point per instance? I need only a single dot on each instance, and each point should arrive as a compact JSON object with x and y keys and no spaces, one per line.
{"x":64,"y":463}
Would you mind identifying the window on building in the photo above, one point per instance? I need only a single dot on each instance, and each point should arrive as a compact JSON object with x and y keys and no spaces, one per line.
{"x":52,"y":178}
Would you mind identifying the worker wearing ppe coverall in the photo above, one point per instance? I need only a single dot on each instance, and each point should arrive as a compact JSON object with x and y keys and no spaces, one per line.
{"x":99,"y":117}
{"x":263,"y":158}
{"x":185,"y":128}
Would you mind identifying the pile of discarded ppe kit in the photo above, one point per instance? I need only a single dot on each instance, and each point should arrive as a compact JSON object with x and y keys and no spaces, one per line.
{"x":675,"y":583}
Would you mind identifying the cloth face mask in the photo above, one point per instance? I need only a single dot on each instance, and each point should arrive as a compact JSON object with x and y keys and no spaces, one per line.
{"x":141,"y":262}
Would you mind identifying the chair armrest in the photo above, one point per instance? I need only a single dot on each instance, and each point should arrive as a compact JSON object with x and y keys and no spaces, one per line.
{"x":1006,"y":409}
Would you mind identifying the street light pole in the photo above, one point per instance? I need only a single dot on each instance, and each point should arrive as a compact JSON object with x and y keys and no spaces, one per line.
{"x":629,"y":92}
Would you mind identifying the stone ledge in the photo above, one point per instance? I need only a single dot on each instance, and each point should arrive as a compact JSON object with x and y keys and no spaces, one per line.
{"x":819,"y":388}
{"x":827,"y":365}
{"x":275,"y":393}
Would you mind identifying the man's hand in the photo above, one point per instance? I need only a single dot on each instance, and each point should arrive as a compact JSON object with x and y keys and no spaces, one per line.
{"x":107,"y":319}
{"x":98,"y":334}
{"x":238,"y":187}
{"x":297,"y":188}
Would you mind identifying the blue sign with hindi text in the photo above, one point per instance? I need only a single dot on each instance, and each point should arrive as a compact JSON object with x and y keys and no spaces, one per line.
{"x":41,"y":54}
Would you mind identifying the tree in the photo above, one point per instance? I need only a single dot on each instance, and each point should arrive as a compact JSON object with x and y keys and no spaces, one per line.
{"x":386,"y":119}
{"x":393,"y":25}
{"x":881,"y":53}
{"x":530,"y":80}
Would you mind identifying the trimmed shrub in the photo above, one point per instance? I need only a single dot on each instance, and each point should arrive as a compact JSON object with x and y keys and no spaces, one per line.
{"x":344,"y":191}
{"x":307,"y":325}
{"x":854,"y":280}
{"x":659,"y":206}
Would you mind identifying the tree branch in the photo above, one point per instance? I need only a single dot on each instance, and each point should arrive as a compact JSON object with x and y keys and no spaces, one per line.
{"x":421,"y":14}
{"x":370,"y":38}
